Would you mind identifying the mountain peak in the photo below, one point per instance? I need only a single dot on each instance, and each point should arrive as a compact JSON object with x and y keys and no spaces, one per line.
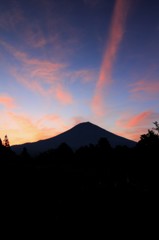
{"x":84,"y":124}
{"x":82,"y":134}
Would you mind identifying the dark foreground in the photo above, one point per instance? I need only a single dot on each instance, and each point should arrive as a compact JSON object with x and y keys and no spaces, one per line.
{"x":89,"y":185}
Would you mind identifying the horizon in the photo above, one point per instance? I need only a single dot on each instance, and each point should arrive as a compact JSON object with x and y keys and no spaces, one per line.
{"x":81,"y":123}
{"x":68,"y":62}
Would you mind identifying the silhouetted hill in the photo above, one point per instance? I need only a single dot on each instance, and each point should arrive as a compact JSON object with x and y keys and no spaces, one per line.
{"x":80,"y":135}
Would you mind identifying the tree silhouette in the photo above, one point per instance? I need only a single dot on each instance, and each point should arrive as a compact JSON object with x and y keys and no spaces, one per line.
{"x":6,"y":141}
{"x":151,"y":139}
{"x":1,"y":146}
{"x":157,"y":127}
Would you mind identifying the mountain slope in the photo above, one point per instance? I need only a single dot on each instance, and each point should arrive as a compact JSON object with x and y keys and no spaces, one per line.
{"x":82,"y":134}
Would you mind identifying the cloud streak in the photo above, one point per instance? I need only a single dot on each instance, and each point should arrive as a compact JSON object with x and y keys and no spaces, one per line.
{"x":146,"y":88}
{"x":82,"y":75}
{"x":63,"y":96}
{"x":34,"y":36}
{"x":133,"y":126}
{"x":45,"y":77}
{"x":41,"y":76}
{"x":11,"y":17}
{"x":22,"y":128}
{"x":7,"y":102}
{"x":139,"y":119}
{"x":114,"y":39}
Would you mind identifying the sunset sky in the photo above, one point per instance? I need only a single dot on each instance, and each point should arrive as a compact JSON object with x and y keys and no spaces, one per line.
{"x":67,"y":61}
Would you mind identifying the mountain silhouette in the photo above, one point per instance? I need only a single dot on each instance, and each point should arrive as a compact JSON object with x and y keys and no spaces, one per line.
{"x":80,"y":135}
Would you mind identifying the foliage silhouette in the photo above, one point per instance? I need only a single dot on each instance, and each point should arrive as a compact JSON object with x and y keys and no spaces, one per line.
{"x":6,"y":141}
{"x":151,"y":139}
{"x":157,"y":127}
{"x":89,"y":168}
{"x":62,"y":176}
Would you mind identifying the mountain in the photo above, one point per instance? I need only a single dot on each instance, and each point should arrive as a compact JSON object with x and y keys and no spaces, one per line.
{"x":80,"y":135}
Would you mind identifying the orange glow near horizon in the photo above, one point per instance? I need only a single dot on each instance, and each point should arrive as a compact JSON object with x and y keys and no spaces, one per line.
{"x":22,"y":129}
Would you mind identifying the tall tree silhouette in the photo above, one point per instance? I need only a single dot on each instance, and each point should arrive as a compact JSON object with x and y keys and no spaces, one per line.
{"x":1,"y":145}
{"x":156,"y":128}
{"x":6,"y":141}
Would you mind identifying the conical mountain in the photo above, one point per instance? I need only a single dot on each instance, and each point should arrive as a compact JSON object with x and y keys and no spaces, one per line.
{"x":80,"y":135}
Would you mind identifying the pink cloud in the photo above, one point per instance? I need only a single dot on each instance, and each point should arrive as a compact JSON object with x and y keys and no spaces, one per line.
{"x":25,"y":80}
{"x":41,"y":76}
{"x":39,"y":68}
{"x":78,"y":119}
{"x":132,"y":135}
{"x":62,"y":95}
{"x":14,"y":17}
{"x":139,"y":119}
{"x":147,"y":87}
{"x":50,"y":117}
{"x":128,"y":120}
{"x":113,"y":42}
{"x":58,"y":26}
{"x":7,"y":102}
{"x":53,"y":120}
{"x":98,"y":104}
{"x":34,"y":36}
{"x":34,"y":64}
{"x":53,"y":89}
{"x":133,"y":126}
{"x":84,"y":75}
{"x":22,"y":128}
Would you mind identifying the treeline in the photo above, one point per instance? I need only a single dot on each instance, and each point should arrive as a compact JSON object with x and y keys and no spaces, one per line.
{"x":90,"y":167}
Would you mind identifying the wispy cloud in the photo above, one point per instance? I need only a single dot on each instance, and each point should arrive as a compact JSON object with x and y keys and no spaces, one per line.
{"x":54,"y":118}
{"x":39,"y":65}
{"x":7,"y":102}
{"x":98,"y":103}
{"x":133,"y":126}
{"x":34,"y":36}
{"x":144,"y":88}
{"x":42,"y":76}
{"x":22,"y":128}
{"x":141,"y":118}
{"x":27,"y":82}
{"x":78,"y":119}
{"x":14,"y":19}
{"x":11,"y":17}
{"x":129,"y":120}
{"x":114,"y":39}
{"x":62,"y":95}
{"x":82,"y":75}
{"x":45,"y":85}
{"x":47,"y":78}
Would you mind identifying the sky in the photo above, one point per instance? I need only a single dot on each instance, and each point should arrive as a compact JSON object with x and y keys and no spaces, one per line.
{"x":63,"y":62}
